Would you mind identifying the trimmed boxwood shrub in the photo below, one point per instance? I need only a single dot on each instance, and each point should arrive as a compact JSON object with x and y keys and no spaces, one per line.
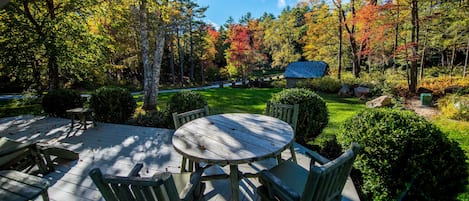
{"x":56,"y":102}
{"x":112,"y":104}
{"x":404,"y":157}
{"x":154,"y":119}
{"x":184,"y":101}
{"x":313,"y":115}
{"x":323,"y":84}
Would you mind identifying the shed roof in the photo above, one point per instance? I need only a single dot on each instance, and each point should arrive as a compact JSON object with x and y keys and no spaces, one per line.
{"x":306,"y":69}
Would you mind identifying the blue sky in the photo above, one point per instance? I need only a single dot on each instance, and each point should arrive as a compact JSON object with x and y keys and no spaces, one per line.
{"x":219,"y":10}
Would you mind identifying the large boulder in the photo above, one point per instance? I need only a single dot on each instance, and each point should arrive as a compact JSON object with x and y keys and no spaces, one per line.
{"x":344,"y":91}
{"x":381,"y":101}
{"x":361,"y":91}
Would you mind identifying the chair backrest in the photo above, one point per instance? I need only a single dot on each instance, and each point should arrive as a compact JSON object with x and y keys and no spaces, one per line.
{"x":284,"y":112}
{"x":326,"y":182}
{"x":182,"y":118}
{"x":23,"y":156}
{"x":115,"y":188}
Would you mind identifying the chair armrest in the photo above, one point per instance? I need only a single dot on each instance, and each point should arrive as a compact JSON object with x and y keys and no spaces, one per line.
{"x":315,"y":157}
{"x":14,"y":149}
{"x":135,"y":170}
{"x":274,"y":184}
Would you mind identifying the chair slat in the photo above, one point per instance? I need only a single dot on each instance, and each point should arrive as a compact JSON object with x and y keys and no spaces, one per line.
{"x":183,"y":118}
{"x":286,"y":113}
{"x":324,"y":182}
{"x":157,"y":188}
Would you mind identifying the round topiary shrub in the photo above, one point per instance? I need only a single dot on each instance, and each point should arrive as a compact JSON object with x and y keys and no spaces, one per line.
{"x":184,"y":101}
{"x":404,"y":157}
{"x":56,"y":102}
{"x":112,"y":104}
{"x":313,"y":115}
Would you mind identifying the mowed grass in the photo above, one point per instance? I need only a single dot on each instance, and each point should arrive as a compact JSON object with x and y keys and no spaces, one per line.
{"x":253,"y":100}
{"x":458,"y":131}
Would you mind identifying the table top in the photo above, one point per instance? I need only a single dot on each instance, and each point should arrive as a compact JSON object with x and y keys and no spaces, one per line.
{"x":232,"y":138}
{"x":20,"y":186}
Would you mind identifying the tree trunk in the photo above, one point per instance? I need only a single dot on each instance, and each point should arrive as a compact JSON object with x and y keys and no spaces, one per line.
{"x":351,"y":36}
{"x":181,"y":58}
{"x":453,"y":55}
{"x":466,"y":61}
{"x":424,"y":52}
{"x":148,"y":103}
{"x":414,"y":42}
{"x":339,"y":57}
{"x":396,"y":37}
{"x":442,"y":58}
{"x":52,"y":66}
{"x":355,"y":59}
{"x":49,"y":43}
{"x":171,"y":62}
{"x":191,"y":52}
{"x":353,"y":45}
{"x":156,"y":67}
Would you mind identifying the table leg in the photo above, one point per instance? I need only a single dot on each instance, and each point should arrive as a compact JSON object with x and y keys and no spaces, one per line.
{"x":234,"y":182}
{"x":73,"y":116}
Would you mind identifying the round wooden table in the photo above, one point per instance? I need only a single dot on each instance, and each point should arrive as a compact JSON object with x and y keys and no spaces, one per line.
{"x":232,"y":139}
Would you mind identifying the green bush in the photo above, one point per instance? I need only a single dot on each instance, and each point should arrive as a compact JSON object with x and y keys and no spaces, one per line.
{"x":313,"y":115}
{"x":155,"y":119}
{"x":184,"y":101}
{"x":324,"y":84}
{"x":112,"y":104}
{"x":404,"y":156}
{"x":279,"y":83}
{"x":56,"y":102}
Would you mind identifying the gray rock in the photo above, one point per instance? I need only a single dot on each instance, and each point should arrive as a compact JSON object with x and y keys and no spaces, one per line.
{"x":381,"y":101}
{"x":344,"y":91}
{"x":361,"y":91}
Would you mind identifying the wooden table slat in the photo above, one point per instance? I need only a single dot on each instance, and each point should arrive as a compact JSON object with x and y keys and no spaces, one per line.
{"x":24,"y":178}
{"x":19,"y":188}
{"x":233,"y":139}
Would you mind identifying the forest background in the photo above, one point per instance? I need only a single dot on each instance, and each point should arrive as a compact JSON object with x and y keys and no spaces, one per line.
{"x":85,"y":44}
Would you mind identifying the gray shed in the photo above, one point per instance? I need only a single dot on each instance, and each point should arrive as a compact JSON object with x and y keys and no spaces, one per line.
{"x":304,"y":70}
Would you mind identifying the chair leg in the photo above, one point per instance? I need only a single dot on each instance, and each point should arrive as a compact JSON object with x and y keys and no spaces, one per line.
{"x":183,"y":164}
{"x":43,"y":168}
{"x":293,"y":154}
{"x":279,"y":158}
{"x":45,"y":195}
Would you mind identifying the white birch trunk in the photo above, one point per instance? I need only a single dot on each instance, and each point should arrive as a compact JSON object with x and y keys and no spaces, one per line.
{"x":147,"y":76}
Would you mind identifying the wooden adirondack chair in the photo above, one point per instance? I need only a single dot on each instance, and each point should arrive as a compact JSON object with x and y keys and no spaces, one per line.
{"x":181,"y":119}
{"x":323,"y":182}
{"x":19,"y":156}
{"x":162,"y":186}
{"x":287,"y":113}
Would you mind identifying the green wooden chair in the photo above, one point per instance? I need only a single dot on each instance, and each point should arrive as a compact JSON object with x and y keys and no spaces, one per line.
{"x":181,"y":119}
{"x":287,"y":113}
{"x":24,"y":157}
{"x":162,"y":186}
{"x":322,"y":182}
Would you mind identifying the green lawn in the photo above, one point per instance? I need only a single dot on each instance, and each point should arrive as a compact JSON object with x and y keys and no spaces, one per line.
{"x":228,"y":100}
{"x":458,"y":131}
